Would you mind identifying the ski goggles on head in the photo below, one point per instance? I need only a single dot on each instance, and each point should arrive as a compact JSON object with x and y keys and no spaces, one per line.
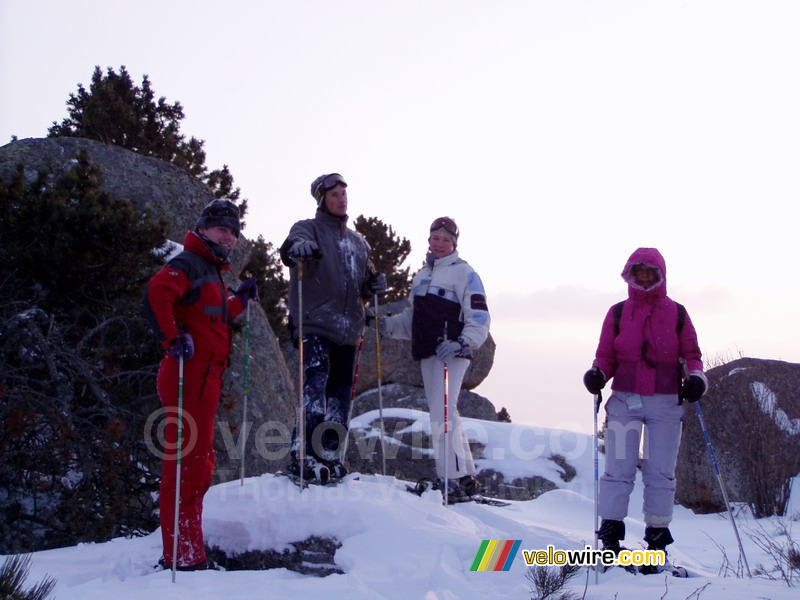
{"x":327,"y":183}
{"x":447,"y":224}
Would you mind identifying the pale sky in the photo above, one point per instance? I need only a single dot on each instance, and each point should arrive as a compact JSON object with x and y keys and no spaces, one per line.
{"x":561,"y":135}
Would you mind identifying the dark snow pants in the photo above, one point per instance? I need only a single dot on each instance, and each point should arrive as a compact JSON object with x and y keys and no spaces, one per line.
{"x":327,"y":395}
{"x":202,"y":382}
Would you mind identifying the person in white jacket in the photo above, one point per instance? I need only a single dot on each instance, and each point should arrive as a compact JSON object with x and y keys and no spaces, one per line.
{"x":446,"y":319}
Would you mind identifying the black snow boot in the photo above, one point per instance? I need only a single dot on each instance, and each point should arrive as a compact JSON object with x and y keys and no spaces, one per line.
{"x":611,"y":533}
{"x":657,"y":538}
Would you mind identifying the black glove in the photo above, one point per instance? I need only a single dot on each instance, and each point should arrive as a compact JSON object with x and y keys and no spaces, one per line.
{"x":594,"y":380}
{"x":182,"y":345}
{"x":369,"y":313}
{"x":304,"y":250}
{"x":377,"y":283}
{"x":694,"y":386}
{"x":247,"y":290}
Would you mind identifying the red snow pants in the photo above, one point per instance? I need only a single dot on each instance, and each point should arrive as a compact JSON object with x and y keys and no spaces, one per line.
{"x":202,"y":382}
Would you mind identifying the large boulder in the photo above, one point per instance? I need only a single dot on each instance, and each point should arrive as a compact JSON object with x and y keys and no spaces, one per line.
{"x":143,"y":180}
{"x":752,"y":415}
{"x":397,"y":366}
{"x":401,"y":395}
{"x":171,"y":192}
{"x":396,"y":363}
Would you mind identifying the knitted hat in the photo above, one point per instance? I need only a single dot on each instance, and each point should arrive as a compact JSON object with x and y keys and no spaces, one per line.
{"x":323,"y":183}
{"x":220,"y":213}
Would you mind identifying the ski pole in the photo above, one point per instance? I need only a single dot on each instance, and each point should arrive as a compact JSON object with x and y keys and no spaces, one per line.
{"x":246,"y":384}
{"x":380,"y":384}
{"x":711,"y":455}
{"x":179,"y":450}
{"x":446,"y":385}
{"x":598,"y":400}
{"x":301,"y":426}
{"x":353,"y":393}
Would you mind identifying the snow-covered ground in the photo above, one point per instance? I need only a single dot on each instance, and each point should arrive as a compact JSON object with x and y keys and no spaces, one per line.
{"x":397,"y":545}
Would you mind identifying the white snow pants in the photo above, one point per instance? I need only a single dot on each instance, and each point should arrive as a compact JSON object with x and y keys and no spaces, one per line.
{"x":459,"y":456}
{"x":662,"y":418}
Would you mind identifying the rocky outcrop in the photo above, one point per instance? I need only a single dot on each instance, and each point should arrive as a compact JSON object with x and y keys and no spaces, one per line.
{"x":752,"y":414}
{"x":171,"y":192}
{"x":143,"y":180}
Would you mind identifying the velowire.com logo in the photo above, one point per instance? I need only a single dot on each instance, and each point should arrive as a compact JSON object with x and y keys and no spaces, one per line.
{"x":495,"y":555}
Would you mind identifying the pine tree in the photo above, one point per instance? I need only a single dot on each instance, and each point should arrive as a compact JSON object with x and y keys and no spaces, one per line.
{"x":503,"y":416}
{"x":71,"y":244}
{"x":273,"y":289}
{"x":389,"y":251}
{"x":14,"y":572}
{"x":116,"y":111}
{"x":76,"y":375}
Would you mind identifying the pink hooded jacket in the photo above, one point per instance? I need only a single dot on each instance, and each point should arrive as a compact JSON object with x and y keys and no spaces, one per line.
{"x":644,"y":357}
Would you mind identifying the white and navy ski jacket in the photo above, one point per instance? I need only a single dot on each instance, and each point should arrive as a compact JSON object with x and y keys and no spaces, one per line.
{"x":445,"y":292}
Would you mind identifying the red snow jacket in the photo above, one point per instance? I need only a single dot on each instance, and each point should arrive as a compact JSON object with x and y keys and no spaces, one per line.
{"x":189,"y":293}
{"x":644,"y":357}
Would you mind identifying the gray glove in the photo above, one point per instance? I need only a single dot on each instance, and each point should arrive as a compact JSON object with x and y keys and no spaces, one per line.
{"x":304,"y":250}
{"x":377,"y":284}
{"x":453,"y":349}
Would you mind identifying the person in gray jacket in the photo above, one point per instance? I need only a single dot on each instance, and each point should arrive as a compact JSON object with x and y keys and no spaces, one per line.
{"x":446,"y":319}
{"x":338,"y":276}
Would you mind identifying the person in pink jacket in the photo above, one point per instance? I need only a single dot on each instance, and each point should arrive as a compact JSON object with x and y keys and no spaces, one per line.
{"x":646,"y":345}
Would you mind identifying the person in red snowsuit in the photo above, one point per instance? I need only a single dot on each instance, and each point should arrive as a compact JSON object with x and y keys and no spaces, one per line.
{"x":188,"y":307}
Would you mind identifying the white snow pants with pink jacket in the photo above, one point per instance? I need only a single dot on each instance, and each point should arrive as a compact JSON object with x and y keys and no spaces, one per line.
{"x":643,"y":348}
{"x":661,"y":417}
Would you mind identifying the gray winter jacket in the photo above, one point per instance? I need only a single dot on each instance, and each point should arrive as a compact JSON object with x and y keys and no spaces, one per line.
{"x":334,"y":286}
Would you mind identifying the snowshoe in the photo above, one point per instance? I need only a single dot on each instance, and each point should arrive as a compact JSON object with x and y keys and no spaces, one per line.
{"x":423,"y":485}
{"x":667,"y":567}
{"x":601,"y":567}
{"x":314,"y":472}
{"x":658,"y":538}
{"x":456,"y":494}
{"x":337,"y":469}
{"x":207,"y":565}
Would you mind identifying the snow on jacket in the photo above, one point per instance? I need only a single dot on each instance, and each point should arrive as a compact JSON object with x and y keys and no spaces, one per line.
{"x":189,"y":293}
{"x":645,"y":357}
{"x":335,"y":285}
{"x":446,"y":290}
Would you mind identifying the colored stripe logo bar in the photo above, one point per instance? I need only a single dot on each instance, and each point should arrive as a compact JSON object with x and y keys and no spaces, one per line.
{"x":495,"y":555}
